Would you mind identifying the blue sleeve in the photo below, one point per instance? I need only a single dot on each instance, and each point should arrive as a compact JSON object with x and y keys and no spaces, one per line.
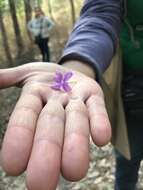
{"x":95,"y":36}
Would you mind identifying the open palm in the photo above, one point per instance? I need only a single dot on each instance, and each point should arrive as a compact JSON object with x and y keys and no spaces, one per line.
{"x":48,"y":131}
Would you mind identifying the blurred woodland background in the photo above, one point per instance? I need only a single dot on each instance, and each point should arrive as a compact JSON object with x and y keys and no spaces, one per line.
{"x":16,"y":48}
{"x":15,"y":41}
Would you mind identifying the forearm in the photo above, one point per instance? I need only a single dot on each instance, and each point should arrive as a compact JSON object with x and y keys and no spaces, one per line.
{"x":95,"y":35}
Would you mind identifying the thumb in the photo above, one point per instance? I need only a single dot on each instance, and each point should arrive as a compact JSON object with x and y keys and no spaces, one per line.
{"x":14,"y":76}
{"x":11,"y":77}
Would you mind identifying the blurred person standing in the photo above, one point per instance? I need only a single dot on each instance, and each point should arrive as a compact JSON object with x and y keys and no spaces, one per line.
{"x":39,"y":27}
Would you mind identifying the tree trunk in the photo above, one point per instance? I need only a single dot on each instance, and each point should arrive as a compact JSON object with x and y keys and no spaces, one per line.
{"x":18,"y":37}
{"x":72,"y":11}
{"x":5,"y":41}
{"x":38,"y":3}
{"x":50,"y":10}
{"x":28,"y":10}
{"x":28,"y":14}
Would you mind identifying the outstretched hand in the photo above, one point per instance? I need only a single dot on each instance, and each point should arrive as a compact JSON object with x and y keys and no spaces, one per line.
{"x":48,"y":131}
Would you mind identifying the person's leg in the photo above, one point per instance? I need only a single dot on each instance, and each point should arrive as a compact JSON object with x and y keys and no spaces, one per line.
{"x":41,"y":47}
{"x":127,"y":170}
{"x":46,"y":50}
{"x":126,"y":175}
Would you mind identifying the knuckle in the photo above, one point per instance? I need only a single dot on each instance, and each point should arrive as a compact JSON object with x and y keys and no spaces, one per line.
{"x":76,"y":105}
{"x":53,"y":109}
{"x":34,"y":87}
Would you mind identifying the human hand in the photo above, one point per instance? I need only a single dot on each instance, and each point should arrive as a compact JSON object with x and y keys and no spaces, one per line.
{"x":48,"y":131}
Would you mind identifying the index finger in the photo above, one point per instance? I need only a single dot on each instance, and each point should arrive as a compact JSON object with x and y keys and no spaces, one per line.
{"x":18,"y":139}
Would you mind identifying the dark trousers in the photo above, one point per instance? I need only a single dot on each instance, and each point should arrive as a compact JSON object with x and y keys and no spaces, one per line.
{"x":126,"y":175}
{"x":44,"y":48}
{"x":127,"y":170}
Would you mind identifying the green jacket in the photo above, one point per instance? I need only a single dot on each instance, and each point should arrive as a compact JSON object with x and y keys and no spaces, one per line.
{"x":131,"y":43}
{"x":131,"y":38}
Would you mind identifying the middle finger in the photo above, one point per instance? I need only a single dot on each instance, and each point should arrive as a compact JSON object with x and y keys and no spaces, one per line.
{"x":75,"y":159}
{"x":44,"y":165}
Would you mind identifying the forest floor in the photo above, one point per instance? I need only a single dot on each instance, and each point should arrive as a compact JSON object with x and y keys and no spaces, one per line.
{"x":102,"y":163}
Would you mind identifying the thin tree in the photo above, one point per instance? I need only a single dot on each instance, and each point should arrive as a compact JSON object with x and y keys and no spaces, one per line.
{"x":50,"y":10}
{"x":37,"y":3}
{"x":5,"y":41}
{"x":28,"y":14}
{"x":18,"y":37}
{"x":28,"y":10}
{"x":72,"y":11}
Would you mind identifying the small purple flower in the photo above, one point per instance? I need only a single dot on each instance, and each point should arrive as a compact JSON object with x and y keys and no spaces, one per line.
{"x":61,"y":81}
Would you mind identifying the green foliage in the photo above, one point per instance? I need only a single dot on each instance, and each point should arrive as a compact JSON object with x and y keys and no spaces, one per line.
{"x":36,"y":3}
{"x":19,"y":6}
{"x":2,"y":5}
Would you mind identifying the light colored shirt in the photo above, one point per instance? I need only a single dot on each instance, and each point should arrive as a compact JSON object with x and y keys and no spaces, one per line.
{"x":40,"y":26}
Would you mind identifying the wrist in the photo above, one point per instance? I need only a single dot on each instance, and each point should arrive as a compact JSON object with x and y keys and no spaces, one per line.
{"x":81,"y":67}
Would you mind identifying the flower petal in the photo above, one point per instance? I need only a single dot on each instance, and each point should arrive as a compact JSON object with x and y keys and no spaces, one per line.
{"x":67,"y":76}
{"x":66,"y":87}
{"x":56,"y":86}
{"x":58,"y":77}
